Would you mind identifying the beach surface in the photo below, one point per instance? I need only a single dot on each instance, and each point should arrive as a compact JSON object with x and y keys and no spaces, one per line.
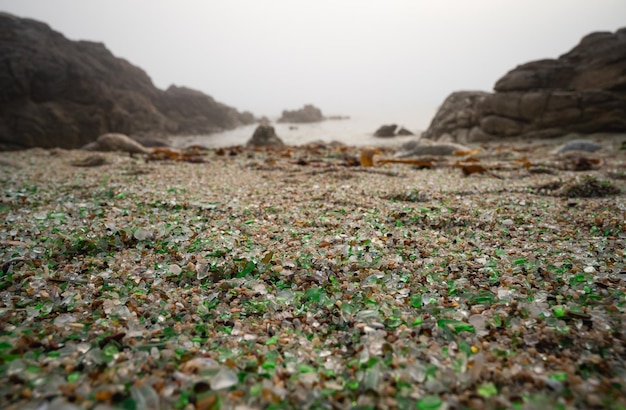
{"x":297,"y":278}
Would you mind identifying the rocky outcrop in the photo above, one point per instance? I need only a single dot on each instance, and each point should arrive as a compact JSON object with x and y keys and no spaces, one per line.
{"x":308,"y":113}
{"x":265,"y":136}
{"x":60,"y":93}
{"x":583,"y":91}
{"x":457,"y":117}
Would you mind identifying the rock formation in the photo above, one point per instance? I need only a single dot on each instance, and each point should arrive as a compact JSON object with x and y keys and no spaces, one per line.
{"x":583,"y":91}
{"x":308,"y":113}
{"x":60,"y":93}
{"x":265,"y":136}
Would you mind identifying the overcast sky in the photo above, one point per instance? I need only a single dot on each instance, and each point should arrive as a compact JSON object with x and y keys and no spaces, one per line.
{"x":344,"y":56}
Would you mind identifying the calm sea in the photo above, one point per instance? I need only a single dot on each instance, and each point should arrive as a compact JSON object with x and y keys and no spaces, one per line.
{"x":356,"y":131}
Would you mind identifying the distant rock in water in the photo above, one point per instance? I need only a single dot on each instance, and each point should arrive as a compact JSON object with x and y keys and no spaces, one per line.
{"x":265,"y":136}
{"x":404,"y":132}
{"x":308,"y":113}
{"x":386,"y":131}
{"x":583,"y":91}
{"x":55,"y":92}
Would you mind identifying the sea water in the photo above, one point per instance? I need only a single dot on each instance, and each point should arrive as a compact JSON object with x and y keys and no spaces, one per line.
{"x":355,"y":131}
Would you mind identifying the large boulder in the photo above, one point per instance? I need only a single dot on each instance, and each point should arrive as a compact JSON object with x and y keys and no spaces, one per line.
{"x":116,"y":142}
{"x":265,"y":136}
{"x":55,"y":92}
{"x":583,"y":91}
{"x":308,"y":113}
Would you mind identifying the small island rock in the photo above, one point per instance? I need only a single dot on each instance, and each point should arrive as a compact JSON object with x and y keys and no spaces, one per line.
{"x":308,"y":113}
{"x":386,"y":131}
{"x":404,"y":132}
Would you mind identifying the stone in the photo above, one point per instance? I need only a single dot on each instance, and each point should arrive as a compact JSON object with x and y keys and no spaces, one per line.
{"x":386,"y":131}
{"x":265,"y":136}
{"x":55,"y":92}
{"x":582,"y":91}
{"x":404,"y":132}
{"x":578,"y":145}
{"x":306,"y":114}
{"x":117,"y":142}
{"x":423,"y":146}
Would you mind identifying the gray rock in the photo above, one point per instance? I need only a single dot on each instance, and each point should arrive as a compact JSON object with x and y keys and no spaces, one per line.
{"x":117,"y":142}
{"x":265,"y":136}
{"x":578,"y":145}
{"x":423,"y":146}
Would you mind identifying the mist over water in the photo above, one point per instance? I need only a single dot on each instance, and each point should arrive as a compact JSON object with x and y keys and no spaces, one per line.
{"x":356,"y":131}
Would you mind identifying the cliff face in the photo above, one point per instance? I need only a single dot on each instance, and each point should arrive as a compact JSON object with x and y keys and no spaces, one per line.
{"x":55,"y":92}
{"x":583,"y":91}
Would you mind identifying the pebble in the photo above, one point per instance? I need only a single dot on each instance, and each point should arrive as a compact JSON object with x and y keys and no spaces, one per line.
{"x":224,"y":379}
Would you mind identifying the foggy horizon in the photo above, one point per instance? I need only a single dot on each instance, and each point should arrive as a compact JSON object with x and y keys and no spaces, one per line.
{"x":393,"y":60}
